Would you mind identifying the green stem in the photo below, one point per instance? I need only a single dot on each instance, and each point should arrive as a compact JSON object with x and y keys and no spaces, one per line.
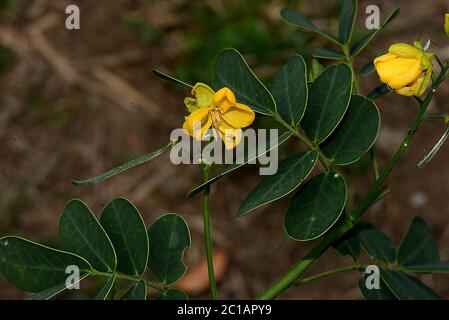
{"x":326,"y":164}
{"x":122,"y":276}
{"x":207,"y":235}
{"x":374,"y":163}
{"x":290,"y":277}
{"x":332,"y":272}
{"x":350,"y":61}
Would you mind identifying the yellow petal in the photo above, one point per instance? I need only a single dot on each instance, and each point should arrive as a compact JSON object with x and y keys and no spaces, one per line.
{"x":202,"y":97}
{"x":405,"y":50}
{"x":239,"y":116}
{"x":398,"y":72}
{"x":407,"y":91}
{"x":224,"y":99}
{"x":191,"y":104}
{"x":203,"y":94}
{"x":446,"y":23}
{"x":231,"y":137}
{"x":385,"y":57}
{"x":197,"y":123}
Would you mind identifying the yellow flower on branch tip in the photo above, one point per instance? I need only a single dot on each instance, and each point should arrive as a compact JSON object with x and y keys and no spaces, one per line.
{"x":405,"y":68}
{"x":219,"y":111}
{"x":446,"y":23}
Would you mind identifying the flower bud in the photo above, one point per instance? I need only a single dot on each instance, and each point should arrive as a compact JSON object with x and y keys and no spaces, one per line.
{"x":405,"y":68}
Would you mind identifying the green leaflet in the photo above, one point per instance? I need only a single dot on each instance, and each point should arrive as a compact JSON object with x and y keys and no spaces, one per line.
{"x":436,"y":267}
{"x":126,"y":229}
{"x":348,"y":14}
{"x":303,"y":22}
{"x":166,"y":77}
{"x":169,"y":237}
{"x":349,"y":245}
{"x":376,"y":244}
{"x":316,"y":207}
{"x":290,"y":174}
{"x":383,"y":293}
{"x":81,"y":233}
{"x":356,"y":133}
{"x":233,"y":72}
{"x":326,"y":53}
{"x":328,"y":101}
{"x":405,"y":287}
{"x":290,"y":90}
{"x":53,"y":291}
{"x":418,"y":246}
{"x":136,"y":292}
{"x":363,"y":42}
{"x":130,"y":164}
{"x":103,"y":292}
{"x":33,"y":267}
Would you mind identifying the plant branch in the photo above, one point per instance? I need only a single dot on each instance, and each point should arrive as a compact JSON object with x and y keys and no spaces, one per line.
{"x":332,"y":272}
{"x":291,"y":276}
{"x":207,"y":235}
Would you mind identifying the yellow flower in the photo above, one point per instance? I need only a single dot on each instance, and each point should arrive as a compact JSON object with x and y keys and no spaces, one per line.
{"x":219,"y":110}
{"x":446,"y":23}
{"x":405,"y":68}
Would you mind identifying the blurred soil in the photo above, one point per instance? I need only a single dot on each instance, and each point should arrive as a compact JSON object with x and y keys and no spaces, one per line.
{"x":75,"y":103}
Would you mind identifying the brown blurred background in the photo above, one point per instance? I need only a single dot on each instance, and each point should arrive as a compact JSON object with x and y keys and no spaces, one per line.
{"x":75,"y":103}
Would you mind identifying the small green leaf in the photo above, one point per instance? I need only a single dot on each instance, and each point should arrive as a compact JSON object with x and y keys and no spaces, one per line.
{"x":383,"y":293}
{"x":303,"y":22}
{"x":349,"y":245}
{"x":165,"y":76}
{"x":375,"y":243}
{"x":130,"y":164}
{"x":233,"y":72}
{"x":347,"y":20}
{"x":290,"y":174}
{"x":434,"y":150}
{"x":81,"y":233}
{"x":126,"y":229}
{"x":363,"y":42}
{"x":328,"y":101}
{"x":436,"y":267}
{"x":379,"y":91}
{"x":33,"y":267}
{"x":326,"y":53}
{"x":367,"y":69}
{"x":356,"y":133}
{"x":405,"y":287}
{"x":316,"y":207}
{"x":172,"y":294}
{"x":169,"y":237}
{"x":418,"y":246}
{"x":136,"y":292}
{"x":251,"y":154}
{"x":103,"y":292}
{"x":290,"y":91}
